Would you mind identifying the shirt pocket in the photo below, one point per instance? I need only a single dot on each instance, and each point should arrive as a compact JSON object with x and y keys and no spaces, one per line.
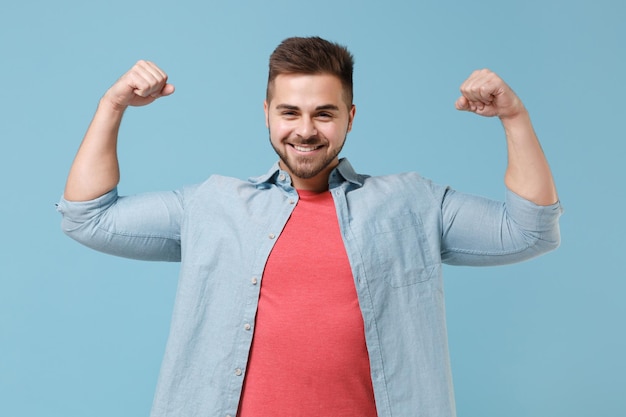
{"x":396,"y":248}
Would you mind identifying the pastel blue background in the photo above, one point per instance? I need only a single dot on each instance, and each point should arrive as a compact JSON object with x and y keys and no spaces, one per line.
{"x":82,"y":334}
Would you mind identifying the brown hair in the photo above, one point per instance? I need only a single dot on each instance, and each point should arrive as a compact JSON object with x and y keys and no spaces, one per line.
{"x":312,"y":55}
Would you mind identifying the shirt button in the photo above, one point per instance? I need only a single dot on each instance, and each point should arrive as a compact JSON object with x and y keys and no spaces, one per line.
{"x":292,"y":201}
{"x":281,"y":177}
{"x":247,"y":326}
{"x":271,"y":235}
{"x":254,"y":280}
{"x":238,"y":372}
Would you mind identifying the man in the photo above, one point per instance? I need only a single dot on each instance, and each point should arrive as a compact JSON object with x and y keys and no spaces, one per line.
{"x":311,"y":290}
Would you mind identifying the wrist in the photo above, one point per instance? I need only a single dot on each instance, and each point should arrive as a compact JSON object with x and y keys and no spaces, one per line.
{"x":515,"y":111}
{"x":108,"y":114}
{"x":516,"y":120}
{"x":109,"y":104}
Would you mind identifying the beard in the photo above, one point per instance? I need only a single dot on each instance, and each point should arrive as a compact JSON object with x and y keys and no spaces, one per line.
{"x":306,"y":167}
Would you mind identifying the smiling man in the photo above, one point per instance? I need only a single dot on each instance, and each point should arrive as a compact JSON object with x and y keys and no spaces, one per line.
{"x":311,"y":290}
{"x":308,"y":119}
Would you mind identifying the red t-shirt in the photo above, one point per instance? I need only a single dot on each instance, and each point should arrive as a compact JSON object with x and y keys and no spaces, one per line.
{"x":308,"y":356}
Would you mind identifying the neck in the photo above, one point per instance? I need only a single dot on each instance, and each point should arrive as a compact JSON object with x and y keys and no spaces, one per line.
{"x":317,"y":183}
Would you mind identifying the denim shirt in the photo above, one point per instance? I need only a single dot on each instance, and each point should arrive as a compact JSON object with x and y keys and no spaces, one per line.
{"x":397,"y":231}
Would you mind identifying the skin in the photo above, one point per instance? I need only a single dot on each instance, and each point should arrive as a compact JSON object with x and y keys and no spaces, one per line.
{"x":95,"y":170}
{"x":528,"y":173}
{"x":308,"y":122}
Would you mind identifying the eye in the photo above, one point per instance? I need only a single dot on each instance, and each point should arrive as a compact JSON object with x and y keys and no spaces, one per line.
{"x":289,"y":113}
{"x":325,"y":115}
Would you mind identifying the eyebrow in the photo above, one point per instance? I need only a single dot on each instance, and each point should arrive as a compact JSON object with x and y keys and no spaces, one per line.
{"x":318,"y":108}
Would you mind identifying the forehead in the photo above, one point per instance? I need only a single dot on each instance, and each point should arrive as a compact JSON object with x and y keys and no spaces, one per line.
{"x":303,"y":89}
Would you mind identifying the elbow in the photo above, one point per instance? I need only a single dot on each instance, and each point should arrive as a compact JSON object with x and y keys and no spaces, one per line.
{"x":80,"y":219}
{"x":83,"y":232}
{"x":82,"y":225}
{"x":546,"y":242}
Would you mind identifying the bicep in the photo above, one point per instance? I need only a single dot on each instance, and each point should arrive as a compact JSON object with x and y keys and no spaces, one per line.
{"x":144,"y":226}
{"x":478,"y":231}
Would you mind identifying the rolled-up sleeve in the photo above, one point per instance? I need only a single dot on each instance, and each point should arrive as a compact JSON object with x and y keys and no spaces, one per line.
{"x":479,"y":232}
{"x":144,"y":226}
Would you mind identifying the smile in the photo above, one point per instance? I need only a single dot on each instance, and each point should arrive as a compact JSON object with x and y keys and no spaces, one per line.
{"x":301,"y":148}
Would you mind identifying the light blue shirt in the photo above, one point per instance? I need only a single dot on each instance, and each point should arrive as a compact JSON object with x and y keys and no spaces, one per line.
{"x":397,"y":230}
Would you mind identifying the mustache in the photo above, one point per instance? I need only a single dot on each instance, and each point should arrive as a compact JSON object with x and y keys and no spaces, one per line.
{"x":311,"y":140}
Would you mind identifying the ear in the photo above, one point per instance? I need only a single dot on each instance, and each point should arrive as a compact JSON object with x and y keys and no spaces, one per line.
{"x":267,"y":113}
{"x":351,"y":115}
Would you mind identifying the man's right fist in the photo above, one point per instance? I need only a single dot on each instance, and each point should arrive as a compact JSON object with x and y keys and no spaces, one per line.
{"x":141,"y":85}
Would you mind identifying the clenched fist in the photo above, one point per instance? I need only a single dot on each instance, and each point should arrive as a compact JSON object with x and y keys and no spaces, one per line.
{"x":486,"y":94}
{"x":141,"y":85}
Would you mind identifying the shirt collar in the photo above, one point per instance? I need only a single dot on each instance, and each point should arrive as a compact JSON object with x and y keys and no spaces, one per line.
{"x":343,"y":172}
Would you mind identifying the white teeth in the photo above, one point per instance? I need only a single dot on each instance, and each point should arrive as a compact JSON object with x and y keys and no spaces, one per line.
{"x":305,"y":148}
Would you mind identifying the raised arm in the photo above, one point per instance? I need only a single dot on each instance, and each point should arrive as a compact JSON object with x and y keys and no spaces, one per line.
{"x":528,"y":173}
{"x":95,"y":169}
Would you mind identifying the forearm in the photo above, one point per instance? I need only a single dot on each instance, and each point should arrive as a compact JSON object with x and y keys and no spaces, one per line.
{"x":528,"y":173}
{"x":95,"y":169}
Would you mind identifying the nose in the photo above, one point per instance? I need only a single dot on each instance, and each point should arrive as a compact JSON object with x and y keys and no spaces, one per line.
{"x":306,"y":128}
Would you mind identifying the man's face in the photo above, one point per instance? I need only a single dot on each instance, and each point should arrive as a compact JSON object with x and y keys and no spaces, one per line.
{"x":308,"y":121}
